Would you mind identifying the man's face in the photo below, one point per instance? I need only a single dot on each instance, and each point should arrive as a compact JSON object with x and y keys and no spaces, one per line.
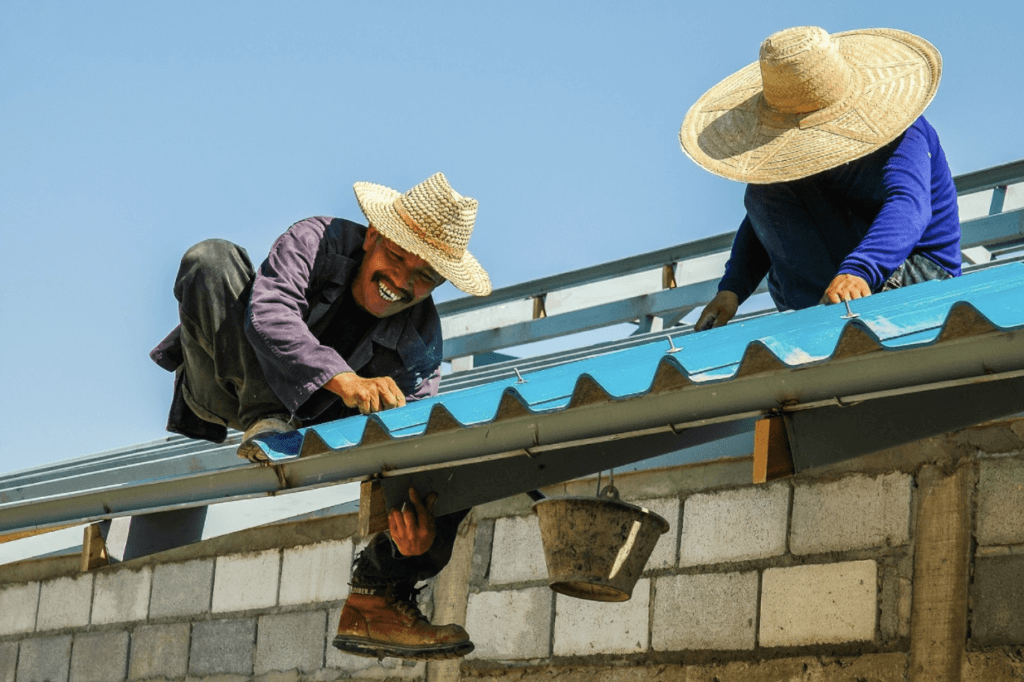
{"x":390,"y":279}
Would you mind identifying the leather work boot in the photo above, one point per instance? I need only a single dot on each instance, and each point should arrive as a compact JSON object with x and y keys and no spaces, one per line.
{"x":263,"y":427}
{"x":391,"y":625}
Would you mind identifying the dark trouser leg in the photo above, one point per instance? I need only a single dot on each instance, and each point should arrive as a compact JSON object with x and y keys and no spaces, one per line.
{"x":916,"y":269}
{"x":223,"y":382}
{"x":380,"y":564}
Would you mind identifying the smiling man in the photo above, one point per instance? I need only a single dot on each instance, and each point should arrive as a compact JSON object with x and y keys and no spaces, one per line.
{"x":338,"y":320}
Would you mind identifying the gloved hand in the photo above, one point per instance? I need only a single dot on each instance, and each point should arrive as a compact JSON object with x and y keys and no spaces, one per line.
{"x":718,"y":311}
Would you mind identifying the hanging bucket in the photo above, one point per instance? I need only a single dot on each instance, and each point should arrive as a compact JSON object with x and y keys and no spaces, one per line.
{"x":596,"y":547}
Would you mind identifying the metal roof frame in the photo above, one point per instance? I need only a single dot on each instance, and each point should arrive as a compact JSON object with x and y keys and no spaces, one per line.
{"x":968,"y":347}
{"x":672,"y":413}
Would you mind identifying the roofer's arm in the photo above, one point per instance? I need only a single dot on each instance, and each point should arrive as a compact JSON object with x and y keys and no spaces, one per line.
{"x":897,"y":228}
{"x":748,"y":264}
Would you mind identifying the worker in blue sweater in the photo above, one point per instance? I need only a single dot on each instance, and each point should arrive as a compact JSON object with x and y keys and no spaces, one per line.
{"x":848,"y":190}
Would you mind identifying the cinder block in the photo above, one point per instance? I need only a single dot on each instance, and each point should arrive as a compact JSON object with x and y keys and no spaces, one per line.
{"x":584,"y":627}
{"x":246,"y":581}
{"x":664,"y":554}
{"x":316,"y":573}
{"x":121,"y":596}
{"x":1001,"y":502}
{"x":44,"y":659}
{"x":8,"y":661}
{"x":159,"y":651}
{"x":517,"y":553}
{"x":99,"y":657}
{"x":819,"y":604}
{"x":290,"y":641}
{"x":181,"y":589}
{"x":510,"y":624}
{"x":18,"y":604}
{"x":856,"y":512}
{"x":65,"y":603}
{"x":997,"y":601}
{"x":734,"y":525}
{"x":715,"y":611}
{"x":222,"y":647}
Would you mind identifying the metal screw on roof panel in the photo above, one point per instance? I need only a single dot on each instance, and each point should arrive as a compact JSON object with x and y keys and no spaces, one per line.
{"x":672,"y":346}
{"x":849,"y":313}
{"x":521,"y":379}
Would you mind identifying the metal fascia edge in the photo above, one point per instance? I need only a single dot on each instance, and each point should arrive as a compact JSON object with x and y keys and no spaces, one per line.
{"x":944,"y":359}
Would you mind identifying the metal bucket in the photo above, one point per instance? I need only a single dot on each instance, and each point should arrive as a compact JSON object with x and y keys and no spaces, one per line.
{"x":596,"y":547}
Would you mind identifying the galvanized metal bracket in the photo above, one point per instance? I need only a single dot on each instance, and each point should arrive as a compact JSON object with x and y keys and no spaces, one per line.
{"x":827,"y":435}
{"x":466,"y":485}
{"x":132,"y":537}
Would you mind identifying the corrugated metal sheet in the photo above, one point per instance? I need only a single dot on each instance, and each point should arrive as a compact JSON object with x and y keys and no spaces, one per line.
{"x":929,"y":313}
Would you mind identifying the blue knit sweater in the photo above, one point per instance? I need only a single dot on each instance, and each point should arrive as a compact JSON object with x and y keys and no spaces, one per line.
{"x":882,"y":207}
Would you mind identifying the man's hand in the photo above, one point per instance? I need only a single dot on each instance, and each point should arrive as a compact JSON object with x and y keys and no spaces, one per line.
{"x":845,"y":288}
{"x":719,"y":311}
{"x":412,"y":527}
{"x":369,"y":395}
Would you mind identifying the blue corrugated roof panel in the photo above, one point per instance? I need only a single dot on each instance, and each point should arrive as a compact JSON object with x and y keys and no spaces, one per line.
{"x":909,"y":317}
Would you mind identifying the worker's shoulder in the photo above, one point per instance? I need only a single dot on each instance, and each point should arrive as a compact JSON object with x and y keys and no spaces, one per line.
{"x":337,"y":234}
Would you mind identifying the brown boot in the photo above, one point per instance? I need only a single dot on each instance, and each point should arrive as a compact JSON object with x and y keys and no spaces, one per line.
{"x":267,"y":426}
{"x":392,"y":625}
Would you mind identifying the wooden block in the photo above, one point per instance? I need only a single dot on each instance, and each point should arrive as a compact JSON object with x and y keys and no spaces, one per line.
{"x":94,"y":550}
{"x":772,"y":456}
{"x":668,"y":276}
{"x":373,"y":512}
{"x":539,"y":310}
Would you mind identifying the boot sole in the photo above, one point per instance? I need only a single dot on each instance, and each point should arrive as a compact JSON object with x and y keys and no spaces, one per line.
{"x":252,"y":452}
{"x":361,"y":646}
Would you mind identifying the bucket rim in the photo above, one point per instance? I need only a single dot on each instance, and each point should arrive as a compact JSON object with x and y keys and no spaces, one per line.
{"x":604,"y":501}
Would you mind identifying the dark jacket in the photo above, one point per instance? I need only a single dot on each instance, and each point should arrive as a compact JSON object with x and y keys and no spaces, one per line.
{"x":897,"y":201}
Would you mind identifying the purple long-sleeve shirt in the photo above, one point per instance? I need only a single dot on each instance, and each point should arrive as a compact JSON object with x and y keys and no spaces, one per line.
{"x":295,"y":297}
{"x":893,"y":202}
{"x":296,"y":323}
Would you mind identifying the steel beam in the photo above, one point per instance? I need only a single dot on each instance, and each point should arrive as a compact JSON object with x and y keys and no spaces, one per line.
{"x":595,"y":273}
{"x":145,"y":534}
{"x":681,"y":299}
{"x":992,"y":229}
{"x":467,"y":485}
{"x":987,"y":178}
{"x":826,"y":435}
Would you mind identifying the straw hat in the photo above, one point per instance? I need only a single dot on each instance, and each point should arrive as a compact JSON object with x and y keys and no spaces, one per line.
{"x":812,"y":102}
{"x":434,"y":222}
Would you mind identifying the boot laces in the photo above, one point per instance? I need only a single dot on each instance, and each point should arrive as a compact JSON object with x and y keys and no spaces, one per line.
{"x":403,"y":598}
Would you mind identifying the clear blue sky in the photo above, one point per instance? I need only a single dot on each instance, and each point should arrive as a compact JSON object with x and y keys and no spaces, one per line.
{"x":131,"y":130}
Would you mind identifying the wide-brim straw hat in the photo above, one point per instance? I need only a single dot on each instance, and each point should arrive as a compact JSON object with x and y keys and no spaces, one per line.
{"x":812,"y":102}
{"x":434,"y":222}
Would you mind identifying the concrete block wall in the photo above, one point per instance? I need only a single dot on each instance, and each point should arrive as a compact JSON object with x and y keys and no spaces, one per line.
{"x":997,"y":592}
{"x":813,"y":577}
{"x":751,"y":568}
{"x":247,"y":614}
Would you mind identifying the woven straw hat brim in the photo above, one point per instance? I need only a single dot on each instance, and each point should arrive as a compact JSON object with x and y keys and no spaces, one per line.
{"x":378,"y":204}
{"x":731,"y":132}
